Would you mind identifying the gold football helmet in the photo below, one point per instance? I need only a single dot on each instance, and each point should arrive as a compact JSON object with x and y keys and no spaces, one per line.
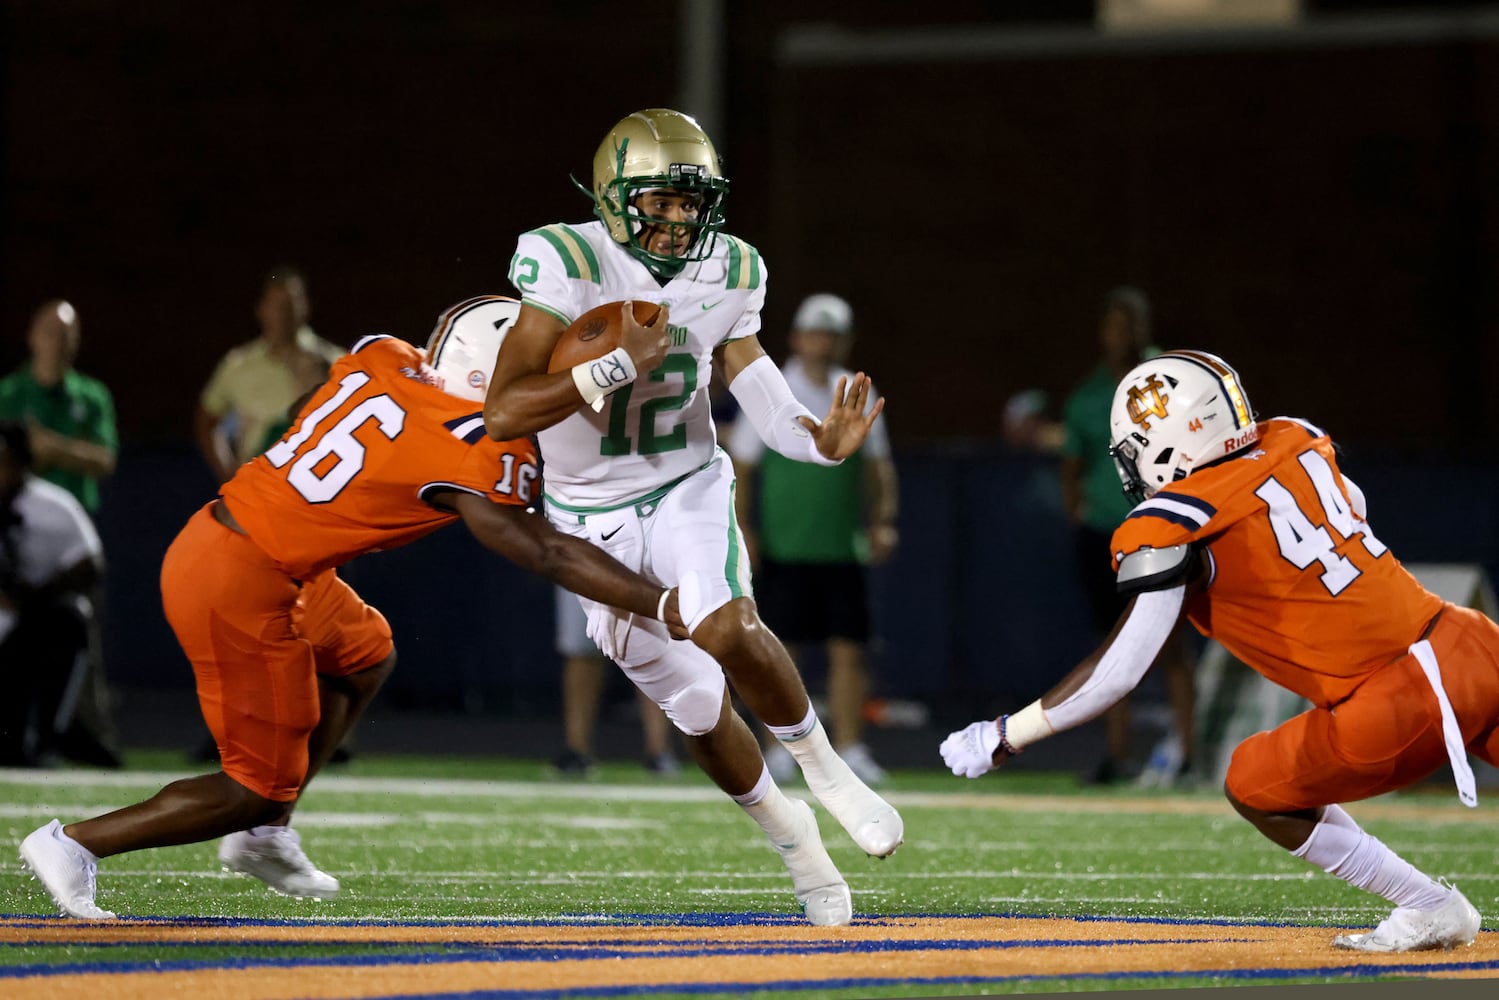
{"x":652,"y":149}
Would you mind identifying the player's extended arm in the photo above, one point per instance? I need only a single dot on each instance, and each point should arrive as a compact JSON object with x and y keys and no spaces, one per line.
{"x":785,"y":424}
{"x":529,"y":541}
{"x":1094,"y":685}
{"x":523,"y":399}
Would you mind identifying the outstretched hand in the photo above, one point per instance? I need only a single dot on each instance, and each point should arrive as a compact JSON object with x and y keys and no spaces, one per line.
{"x":974,"y":750}
{"x":846,"y":426}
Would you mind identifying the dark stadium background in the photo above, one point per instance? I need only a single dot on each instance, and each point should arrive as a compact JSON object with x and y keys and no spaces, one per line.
{"x":1318,"y":206}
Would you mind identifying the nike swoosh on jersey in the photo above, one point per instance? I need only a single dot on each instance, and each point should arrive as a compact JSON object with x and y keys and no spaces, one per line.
{"x":608,"y":535}
{"x":710,"y":305}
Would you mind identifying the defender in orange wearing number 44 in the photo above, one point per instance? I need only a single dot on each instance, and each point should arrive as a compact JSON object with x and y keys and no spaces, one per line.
{"x":1254,"y":533}
{"x":286,"y":655}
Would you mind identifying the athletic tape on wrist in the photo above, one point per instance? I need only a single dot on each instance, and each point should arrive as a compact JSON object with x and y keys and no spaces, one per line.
{"x":1027,"y":726}
{"x":596,"y":379}
{"x":661,"y":605}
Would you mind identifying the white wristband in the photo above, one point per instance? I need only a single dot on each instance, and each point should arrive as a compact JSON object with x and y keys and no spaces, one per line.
{"x":1027,"y":726}
{"x":661,"y":605}
{"x":596,"y":379}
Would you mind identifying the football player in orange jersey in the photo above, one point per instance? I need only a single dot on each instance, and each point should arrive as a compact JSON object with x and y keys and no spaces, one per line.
{"x":1253,"y":532}
{"x":286,"y":655}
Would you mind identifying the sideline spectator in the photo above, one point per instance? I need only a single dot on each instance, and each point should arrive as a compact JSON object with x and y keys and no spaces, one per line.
{"x":256,"y":383}
{"x":1095,"y":504}
{"x":70,"y":421}
{"x":50,"y":560}
{"x":69,"y":415}
{"x":817,"y":528}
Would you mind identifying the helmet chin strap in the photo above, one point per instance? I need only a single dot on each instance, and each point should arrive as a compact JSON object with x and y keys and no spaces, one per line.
{"x":662,"y":270}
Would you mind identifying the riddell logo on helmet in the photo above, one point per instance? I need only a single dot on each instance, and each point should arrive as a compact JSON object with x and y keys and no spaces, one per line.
{"x":1249,"y":437}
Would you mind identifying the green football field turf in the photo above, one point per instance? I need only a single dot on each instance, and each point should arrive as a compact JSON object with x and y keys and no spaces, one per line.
{"x":421,"y":838}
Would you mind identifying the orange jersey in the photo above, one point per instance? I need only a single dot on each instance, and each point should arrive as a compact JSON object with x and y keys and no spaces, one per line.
{"x":357,"y":471}
{"x":1301,"y":590}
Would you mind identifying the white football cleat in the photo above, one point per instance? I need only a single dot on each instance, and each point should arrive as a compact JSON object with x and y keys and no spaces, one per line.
{"x":277,"y":859}
{"x":875,"y":826}
{"x":819,"y":888}
{"x":66,"y":874}
{"x":1453,"y":923}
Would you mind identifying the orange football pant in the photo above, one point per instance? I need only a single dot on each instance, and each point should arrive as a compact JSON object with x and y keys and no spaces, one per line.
{"x":257,"y":640}
{"x":1386,"y":735}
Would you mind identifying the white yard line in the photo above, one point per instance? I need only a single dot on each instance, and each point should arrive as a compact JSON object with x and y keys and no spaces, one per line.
{"x":1426,"y":810}
{"x":533,"y":876}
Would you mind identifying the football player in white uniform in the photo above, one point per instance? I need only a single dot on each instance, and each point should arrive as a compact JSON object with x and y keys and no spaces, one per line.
{"x":633,"y":463}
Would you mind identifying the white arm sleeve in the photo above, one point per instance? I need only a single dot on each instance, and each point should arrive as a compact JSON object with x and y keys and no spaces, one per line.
{"x":770,"y":407}
{"x":1131,"y":653}
{"x":744,"y":443}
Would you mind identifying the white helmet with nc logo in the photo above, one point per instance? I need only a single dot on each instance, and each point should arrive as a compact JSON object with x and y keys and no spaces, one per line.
{"x":1173,"y":414}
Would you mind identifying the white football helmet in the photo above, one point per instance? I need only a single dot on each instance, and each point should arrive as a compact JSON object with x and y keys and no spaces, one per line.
{"x":465,"y":342}
{"x":1173,"y":414}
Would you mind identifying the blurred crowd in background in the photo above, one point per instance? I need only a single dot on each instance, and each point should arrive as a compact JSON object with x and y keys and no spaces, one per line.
{"x":995,"y":215}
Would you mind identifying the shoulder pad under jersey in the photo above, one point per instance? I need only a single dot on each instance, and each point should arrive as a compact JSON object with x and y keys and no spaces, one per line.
{"x":1149,"y":568}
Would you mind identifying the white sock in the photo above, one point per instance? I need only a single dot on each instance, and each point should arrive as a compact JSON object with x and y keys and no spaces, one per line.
{"x":768,"y":807}
{"x":267,"y":831}
{"x":762,"y":787}
{"x":811,"y":744}
{"x":1339,"y":846}
{"x":786,"y":734}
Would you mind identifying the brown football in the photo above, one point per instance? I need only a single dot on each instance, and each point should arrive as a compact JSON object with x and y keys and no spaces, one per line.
{"x":596,"y":333}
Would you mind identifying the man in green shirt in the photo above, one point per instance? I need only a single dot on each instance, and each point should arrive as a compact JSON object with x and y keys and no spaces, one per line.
{"x":817,"y":528}
{"x":1095,"y":503}
{"x":70,"y":416}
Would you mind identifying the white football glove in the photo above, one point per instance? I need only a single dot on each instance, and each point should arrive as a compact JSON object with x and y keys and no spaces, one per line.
{"x":970,"y":752}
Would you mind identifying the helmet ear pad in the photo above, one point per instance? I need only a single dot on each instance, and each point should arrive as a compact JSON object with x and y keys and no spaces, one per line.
{"x":465,"y":342}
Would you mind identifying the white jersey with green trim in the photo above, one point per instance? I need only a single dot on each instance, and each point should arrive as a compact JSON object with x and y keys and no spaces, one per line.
{"x":658,"y":429}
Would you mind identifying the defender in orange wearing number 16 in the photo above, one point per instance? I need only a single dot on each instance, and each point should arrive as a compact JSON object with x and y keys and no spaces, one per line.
{"x":1253,"y":532}
{"x":286,"y":655}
